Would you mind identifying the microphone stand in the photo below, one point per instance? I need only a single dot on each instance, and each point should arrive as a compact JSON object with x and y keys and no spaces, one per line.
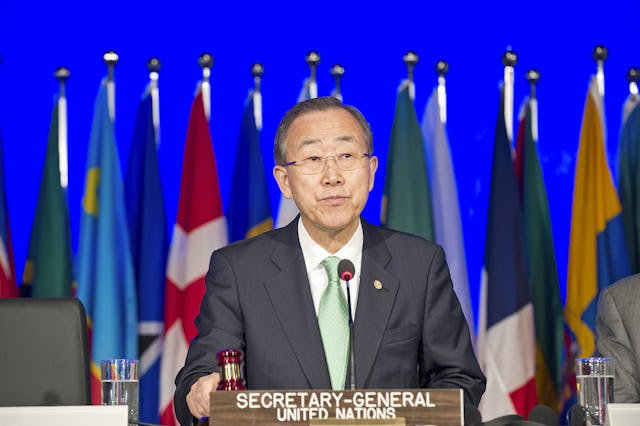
{"x":352,"y":359}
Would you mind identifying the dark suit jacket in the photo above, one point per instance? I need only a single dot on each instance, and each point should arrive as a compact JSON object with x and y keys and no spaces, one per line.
{"x":410,"y":333}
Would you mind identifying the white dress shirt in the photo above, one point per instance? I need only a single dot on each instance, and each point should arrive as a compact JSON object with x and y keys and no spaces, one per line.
{"x":314,"y":255}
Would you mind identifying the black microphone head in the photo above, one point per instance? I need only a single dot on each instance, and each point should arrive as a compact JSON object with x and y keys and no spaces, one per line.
{"x":472,"y":416}
{"x":346,"y":270}
{"x":544,"y":415}
{"x":577,"y":416}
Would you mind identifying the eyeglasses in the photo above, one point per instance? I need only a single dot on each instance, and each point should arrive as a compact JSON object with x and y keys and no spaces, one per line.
{"x":315,"y":164}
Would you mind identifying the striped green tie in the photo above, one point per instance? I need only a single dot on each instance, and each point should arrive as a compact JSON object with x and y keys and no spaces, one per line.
{"x":334,"y":325}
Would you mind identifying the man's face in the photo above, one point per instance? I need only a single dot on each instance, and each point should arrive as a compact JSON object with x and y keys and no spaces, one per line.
{"x":330,"y":201}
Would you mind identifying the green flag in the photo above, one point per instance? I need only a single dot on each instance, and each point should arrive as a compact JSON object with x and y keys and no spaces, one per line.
{"x":406,"y":204}
{"x":541,"y":261}
{"x":48,"y":271}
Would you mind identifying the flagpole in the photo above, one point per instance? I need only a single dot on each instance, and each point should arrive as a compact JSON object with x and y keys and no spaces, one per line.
{"x":600,"y":54}
{"x":509,"y":60}
{"x":337,"y":72}
{"x":257,"y":71}
{"x":410,"y":59}
{"x":111,"y":59}
{"x":206,"y":63}
{"x":633,"y":75}
{"x":62,"y":74}
{"x":533,"y":77}
{"x":442,"y":69}
{"x":313,"y":59}
{"x":153,"y":66}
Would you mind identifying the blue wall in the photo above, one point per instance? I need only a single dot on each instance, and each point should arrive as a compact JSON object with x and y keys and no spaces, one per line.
{"x":368,"y":40}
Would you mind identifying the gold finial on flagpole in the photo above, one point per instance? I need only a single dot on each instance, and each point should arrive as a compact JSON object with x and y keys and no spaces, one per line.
{"x":337,"y":72}
{"x":111,"y":59}
{"x":206,"y":63}
{"x":410,"y":59}
{"x":154,"y":65}
{"x":533,"y":76}
{"x":633,"y":76}
{"x":257,"y":71}
{"x":313,"y":59}
{"x":600,"y":54}
{"x":62,"y":74}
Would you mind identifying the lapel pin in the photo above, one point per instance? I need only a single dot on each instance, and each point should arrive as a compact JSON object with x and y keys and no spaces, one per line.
{"x":377,"y":284}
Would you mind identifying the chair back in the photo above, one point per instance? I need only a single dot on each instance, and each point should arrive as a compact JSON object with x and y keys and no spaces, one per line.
{"x":44,"y":355}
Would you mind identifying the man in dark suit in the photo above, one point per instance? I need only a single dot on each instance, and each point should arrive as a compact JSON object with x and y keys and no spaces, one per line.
{"x":266,"y":295}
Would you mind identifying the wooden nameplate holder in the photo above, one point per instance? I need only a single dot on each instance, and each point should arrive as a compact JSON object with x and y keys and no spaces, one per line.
{"x":363,"y":407}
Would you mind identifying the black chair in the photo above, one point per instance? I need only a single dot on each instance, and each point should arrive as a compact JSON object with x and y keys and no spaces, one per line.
{"x":44,"y":355}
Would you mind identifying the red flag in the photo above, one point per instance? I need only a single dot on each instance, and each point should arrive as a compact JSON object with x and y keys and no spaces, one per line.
{"x":8,"y":285}
{"x":200,"y":228}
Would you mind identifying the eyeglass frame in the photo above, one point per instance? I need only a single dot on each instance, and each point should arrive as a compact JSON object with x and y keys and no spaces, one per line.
{"x":325,"y":160}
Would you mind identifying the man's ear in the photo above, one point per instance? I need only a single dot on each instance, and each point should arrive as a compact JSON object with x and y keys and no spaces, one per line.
{"x":282,"y":178}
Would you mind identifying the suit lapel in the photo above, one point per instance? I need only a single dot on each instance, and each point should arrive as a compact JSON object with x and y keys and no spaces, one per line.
{"x":376,"y":296}
{"x":290,"y":296}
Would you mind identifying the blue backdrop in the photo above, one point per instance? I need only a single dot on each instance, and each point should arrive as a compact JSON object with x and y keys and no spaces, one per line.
{"x":368,"y":40}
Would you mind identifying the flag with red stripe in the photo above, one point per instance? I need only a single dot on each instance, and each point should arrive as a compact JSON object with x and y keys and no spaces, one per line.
{"x":506,"y":341}
{"x":8,"y":285}
{"x":200,"y":228}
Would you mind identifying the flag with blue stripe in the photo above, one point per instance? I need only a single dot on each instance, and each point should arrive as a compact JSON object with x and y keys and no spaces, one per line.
{"x":249,"y":211}
{"x":106,"y":279}
{"x":149,"y":246}
{"x":597,"y":248}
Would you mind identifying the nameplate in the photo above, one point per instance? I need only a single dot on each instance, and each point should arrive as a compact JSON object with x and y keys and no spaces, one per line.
{"x":408,"y":407}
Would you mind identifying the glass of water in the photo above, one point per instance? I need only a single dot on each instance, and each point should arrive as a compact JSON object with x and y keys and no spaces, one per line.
{"x":594,"y":378}
{"x":119,"y":378}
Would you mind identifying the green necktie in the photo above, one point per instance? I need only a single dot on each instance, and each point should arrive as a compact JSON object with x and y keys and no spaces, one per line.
{"x":334,"y":325}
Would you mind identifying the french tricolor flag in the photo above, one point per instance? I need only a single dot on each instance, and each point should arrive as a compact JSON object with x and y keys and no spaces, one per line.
{"x":506,"y":339}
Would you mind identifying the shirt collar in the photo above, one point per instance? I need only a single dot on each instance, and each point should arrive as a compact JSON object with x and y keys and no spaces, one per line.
{"x":314,"y":254}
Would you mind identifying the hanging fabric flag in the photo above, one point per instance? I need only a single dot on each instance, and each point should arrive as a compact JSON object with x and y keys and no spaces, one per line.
{"x":148,"y":230}
{"x":408,"y":211}
{"x":200,"y":228}
{"x":597,"y":249}
{"x":447,"y":226}
{"x":48,"y":271}
{"x":541,"y":260}
{"x":106,"y":279}
{"x":629,"y":177}
{"x":249,"y":210}
{"x":506,"y":341}
{"x":8,"y":282}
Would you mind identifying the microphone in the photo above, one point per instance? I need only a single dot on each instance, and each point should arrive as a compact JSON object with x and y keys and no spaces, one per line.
{"x":346,"y":271}
{"x":577,"y":416}
{"x":472,"y":416}
{"x":544,"y":415}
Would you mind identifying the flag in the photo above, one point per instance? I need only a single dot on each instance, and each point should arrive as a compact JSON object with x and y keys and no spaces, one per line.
{"x":628,"y":165}
{"x":597,"y":249}
{"x":403,"y":209}
{"x":148,"y":231}
{"x":287,"y":210}
{"x":249,"y":210}
{"x":541,"y":260}
{"x":8,"y":282}
{"x":506,"y":341}
{"x":200,"y":228}
{"x":48,"y":271}
{"x":447,"y":226}
{"x":106,"y":280}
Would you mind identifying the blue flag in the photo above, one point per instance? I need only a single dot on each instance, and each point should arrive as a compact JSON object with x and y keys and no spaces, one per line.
{"x":629,"y":178}
{"x":106,"y":280}
{"x":249,"y":211}
{"x":149,"y":245}
{"x":506,"y":341}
